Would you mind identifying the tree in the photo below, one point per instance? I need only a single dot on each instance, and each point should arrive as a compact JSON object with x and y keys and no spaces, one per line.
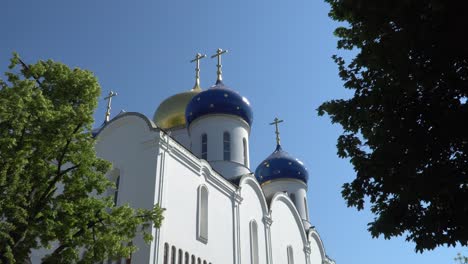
{"x":461,"y":259}
{"x":51,"y":182}
{"x":404,"y":129}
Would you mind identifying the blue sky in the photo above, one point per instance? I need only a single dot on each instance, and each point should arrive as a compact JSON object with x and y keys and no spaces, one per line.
{"x":279,"y":58}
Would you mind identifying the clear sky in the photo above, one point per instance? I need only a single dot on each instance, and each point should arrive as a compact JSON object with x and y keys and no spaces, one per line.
{"x":279,"y":58}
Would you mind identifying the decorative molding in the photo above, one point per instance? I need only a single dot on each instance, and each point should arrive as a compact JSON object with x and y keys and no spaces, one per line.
{"x":267,"y":220}
{"x":217,"y":181}
{"x":246,"y":125}
{"x":250,"y":180}
{"x":307,"y":250}
{"x":237,"y":197}
{"x":313,"y":235}
{"x":281,"y":197}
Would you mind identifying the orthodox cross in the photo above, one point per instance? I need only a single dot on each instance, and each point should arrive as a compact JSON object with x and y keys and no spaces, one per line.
{"x":218,"y":54}
{"x":276,"y":122}
{"x":109,"y":101}
{"x":197,"y":59}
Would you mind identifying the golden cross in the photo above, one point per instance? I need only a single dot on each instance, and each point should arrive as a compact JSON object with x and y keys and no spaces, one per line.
{"x":218,"y":54}
{"x":197,"y":59}
{"x":276,"y":122}
{"x":109,"y":100}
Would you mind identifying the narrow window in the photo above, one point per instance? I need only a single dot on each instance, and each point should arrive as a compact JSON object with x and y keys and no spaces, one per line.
{"x":116,"y":192}
{"x":180,"y":257}
{"x":253,"y":242}
{"x":290,"y":255}
{"x":193,"y":259}
{"x":187,"y":258}
{"x":293,"y":198}
{"x":244,"y":144}
{"x":227,"y":146}
{"x":204,"y":262}
{"x":173,"y":255}
{"x":198,"y":261}
{"x":203,"y":214}
{"x":306,"y":209}
{"x":166,"y":253}
{"x":204,"y":147}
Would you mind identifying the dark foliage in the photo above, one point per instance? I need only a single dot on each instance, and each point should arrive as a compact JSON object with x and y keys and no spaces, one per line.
{"x":405,"y":128}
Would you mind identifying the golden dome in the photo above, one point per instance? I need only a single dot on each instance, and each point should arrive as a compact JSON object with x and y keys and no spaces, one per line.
{"x":171,"y":112}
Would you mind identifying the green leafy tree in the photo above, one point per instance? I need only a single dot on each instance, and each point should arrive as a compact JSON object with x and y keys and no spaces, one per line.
{"x":51,"y":182}
{"x":405,"y":128}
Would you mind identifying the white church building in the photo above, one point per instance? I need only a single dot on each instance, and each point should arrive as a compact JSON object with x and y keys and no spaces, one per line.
{"x":192,"y":159}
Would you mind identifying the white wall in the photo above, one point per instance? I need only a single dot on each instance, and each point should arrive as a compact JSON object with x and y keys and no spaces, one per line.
{"x":252,"y":207}
{"x":286,"y":230}
{"x":129,"y":143}
{"x":180,"y":218}
{"x":149,"y":162}
{"x":291,"y":186}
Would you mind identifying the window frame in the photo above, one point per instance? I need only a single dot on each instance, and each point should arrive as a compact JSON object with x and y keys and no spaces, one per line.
{"x":226,"y":146}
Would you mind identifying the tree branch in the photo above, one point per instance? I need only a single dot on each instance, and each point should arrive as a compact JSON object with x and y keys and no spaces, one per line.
{"x":59,"y":168}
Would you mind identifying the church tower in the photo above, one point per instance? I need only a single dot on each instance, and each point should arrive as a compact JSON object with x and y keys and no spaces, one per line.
{"x":218,"y":123}
{"x":281,"y":172}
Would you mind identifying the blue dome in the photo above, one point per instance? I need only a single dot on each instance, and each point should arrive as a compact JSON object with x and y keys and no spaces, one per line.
{"x":281,"y":165}
{"x":219,"y":99}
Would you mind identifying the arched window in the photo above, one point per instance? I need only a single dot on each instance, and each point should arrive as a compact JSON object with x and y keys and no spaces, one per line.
{"x":173,"y":255}
{"x":202,"y":214}
{"x":199,"y":261}
{"x":253,"y":242}
{"x":306,"y":209}
{"x":166,"y":253}
{"x":227,"y":146}
{"x":180,"y":257}
{"x":244,"y":144}
{"x":193,"y":259}
{"x":204,"y":146}
{"x":290,"y":255}
{"x":187,"y":258}
{"x":116,"y":192}
{"x":204,"y":262}
{"x":114,"y":176}
{"x":293,"y":198}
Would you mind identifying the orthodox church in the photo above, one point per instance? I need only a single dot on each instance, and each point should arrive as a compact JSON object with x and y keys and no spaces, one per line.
{"x":192,"y":159}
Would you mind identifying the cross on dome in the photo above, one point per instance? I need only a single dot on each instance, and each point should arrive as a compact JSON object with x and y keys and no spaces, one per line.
{"x":276,"y":122}
{"x":218,"y":54}
{"x":197,"y":59}
{"x":109,"y":101}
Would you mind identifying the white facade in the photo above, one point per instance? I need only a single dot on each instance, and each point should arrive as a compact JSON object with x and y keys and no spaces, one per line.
{"x":207,"y":219}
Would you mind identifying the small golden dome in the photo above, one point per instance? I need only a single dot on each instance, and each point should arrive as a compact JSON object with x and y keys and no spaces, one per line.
{"x":171,"y":112}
